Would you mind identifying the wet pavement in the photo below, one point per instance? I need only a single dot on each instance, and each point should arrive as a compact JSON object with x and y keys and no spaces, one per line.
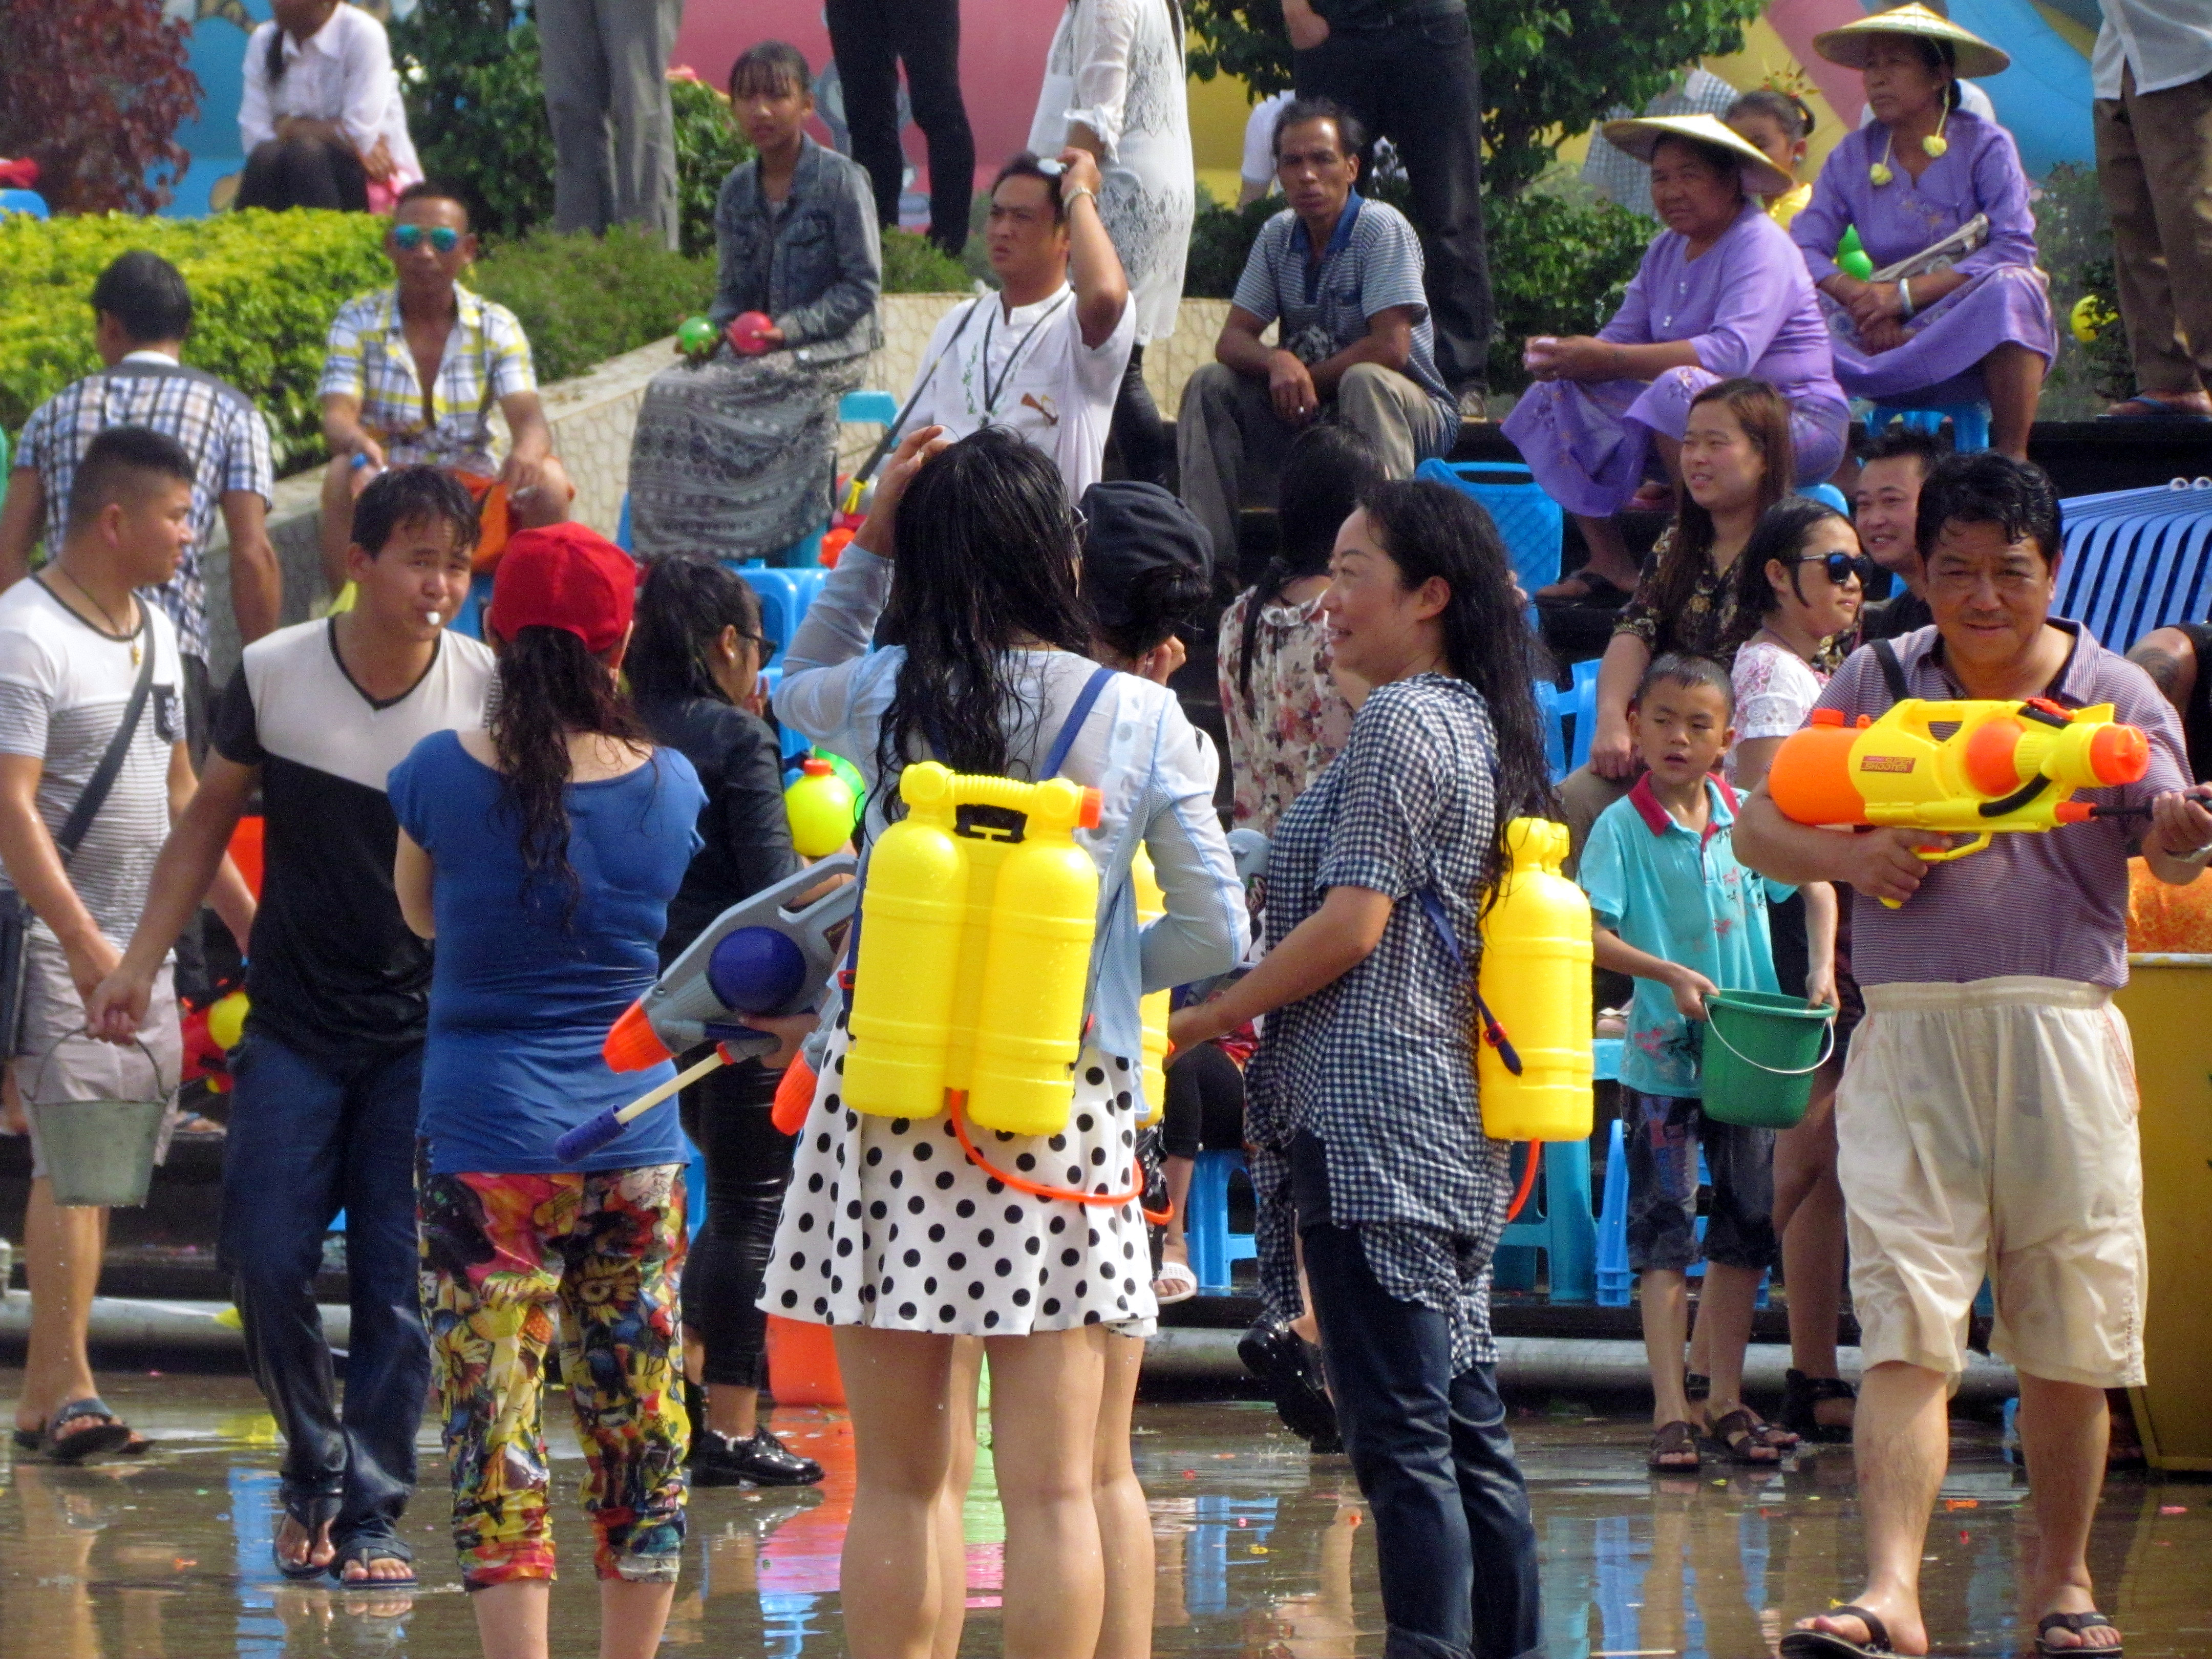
{"x":1263,"y":1549}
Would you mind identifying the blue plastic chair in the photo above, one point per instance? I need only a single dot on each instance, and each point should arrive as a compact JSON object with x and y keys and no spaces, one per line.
{"x":1555,"y":737}
{"x":1583,"y":707}
{"x":621,"y":527}
{"x":785,"y":593}
{"x":1206,"y":1222}
{"x":854,"y":409}
{"x":2136,"y":559}
{"x":469,"y":619}
{"x":1529,"y":521}
{"x":1561,"y":1226}
{"x":27,"y":201}
{"x":1970,"y":422}
{"x":1828,"y":496}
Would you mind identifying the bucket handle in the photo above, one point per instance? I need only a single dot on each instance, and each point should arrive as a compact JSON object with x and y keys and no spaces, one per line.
{"x":39,"y":1076}
{"x":1827,"y":1048}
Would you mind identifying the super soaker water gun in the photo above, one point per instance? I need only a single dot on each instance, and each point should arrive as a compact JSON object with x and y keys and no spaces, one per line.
{"x":756,"y":957}
{"x":1959,"y":769}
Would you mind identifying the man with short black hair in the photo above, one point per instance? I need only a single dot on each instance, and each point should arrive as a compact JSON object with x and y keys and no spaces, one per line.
{"x":1342,"y":276}
{"x":1885,"y":509}
{"x":93,"y":766}
{"x":329,"y":1077}
{"x":142,"y":314}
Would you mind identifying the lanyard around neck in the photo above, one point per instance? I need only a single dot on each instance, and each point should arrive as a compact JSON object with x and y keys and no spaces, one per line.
{"x":991,"y":393}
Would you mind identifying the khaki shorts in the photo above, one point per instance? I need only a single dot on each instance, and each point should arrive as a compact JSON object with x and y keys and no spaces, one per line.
{"x":57,"y":1062}
{"x":1990,"y":1128}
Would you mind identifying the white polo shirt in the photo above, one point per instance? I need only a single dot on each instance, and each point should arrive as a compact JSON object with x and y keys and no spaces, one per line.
{"x":1027,"y":370}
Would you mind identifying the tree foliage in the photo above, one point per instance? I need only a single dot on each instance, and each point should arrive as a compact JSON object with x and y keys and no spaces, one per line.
{"x":1549,"y":67}
{"x":94,"y":91}
{"x":476,"y":108}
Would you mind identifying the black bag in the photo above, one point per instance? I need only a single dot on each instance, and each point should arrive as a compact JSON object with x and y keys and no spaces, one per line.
{"x":16,"y":916}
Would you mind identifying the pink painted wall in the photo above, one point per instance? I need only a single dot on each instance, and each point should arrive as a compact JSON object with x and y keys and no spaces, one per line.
{"x":1797,"y":21}
{"x":1002,"y":47}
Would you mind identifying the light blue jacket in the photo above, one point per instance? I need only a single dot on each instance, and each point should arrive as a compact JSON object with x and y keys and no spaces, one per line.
{"x":1154,"y":771}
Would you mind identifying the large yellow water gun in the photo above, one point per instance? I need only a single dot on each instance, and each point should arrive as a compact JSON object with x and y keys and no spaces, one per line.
{"x":1971,"y":768}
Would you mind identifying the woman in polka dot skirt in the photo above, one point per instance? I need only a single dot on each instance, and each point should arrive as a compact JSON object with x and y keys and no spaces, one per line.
{"x":891,"y":1232}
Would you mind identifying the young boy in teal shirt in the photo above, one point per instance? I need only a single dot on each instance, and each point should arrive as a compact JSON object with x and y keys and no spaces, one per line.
{"x":1673,"y":908}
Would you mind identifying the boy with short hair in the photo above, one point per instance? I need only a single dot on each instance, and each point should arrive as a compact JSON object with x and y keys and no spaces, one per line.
{"x":1675,"y":909}
{"x":329,"y":1077}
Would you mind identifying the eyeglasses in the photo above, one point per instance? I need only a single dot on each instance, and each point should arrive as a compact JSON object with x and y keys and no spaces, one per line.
{"x":443,"y":239}
{"x":766,"y":647}
{"x":1841,"y":567}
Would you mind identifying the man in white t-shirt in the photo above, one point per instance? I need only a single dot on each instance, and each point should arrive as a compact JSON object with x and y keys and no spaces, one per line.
{"x":1043,"y":356}
{"x":77,"y":644}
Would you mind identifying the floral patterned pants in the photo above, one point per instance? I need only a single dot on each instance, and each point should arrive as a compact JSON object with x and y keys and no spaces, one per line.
{"x":503,"y":1256}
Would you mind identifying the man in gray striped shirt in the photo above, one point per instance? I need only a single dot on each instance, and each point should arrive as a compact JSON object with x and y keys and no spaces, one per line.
{"x":1341,"y":276}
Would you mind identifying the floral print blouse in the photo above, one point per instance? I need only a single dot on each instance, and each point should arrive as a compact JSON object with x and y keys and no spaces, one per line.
{"x":1296,"y":720}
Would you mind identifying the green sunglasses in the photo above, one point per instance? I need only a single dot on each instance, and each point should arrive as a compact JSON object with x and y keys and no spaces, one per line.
{"x":443,"y":238}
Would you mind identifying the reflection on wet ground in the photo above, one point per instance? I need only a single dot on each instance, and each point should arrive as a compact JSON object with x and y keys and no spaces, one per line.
{"x":1260,"y":1550}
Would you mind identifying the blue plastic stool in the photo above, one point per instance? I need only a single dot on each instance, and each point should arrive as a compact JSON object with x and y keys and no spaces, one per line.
{"x":27,"y":201}
{"x":1970,"y":422}
{"x":1581,"y":705}
{"x":1561,"y":1227}
{"x":469,"y":619}
{"x":621,"y":528}
{"x":1530,"y":522}
{"x":1206,"y":1222}
{"x":1615,"y":1283}
{"x":784,"y":594}
{"x":854,"y":409}
{"x":1548,"y":700}
{"x":1828,"y":496}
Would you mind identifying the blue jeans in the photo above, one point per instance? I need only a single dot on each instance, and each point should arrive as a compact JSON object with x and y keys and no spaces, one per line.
{"x":1454,"y":1546}
{"x":310,"y":1137}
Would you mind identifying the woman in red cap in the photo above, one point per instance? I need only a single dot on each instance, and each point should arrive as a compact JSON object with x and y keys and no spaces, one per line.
{"x":541,"y":853}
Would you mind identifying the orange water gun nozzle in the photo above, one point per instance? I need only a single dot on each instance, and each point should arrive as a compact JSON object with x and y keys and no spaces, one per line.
{"x":632,"y":1044}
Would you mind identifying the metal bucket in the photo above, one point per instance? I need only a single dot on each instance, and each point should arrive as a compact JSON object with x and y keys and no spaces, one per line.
{"x":97,"y":1151}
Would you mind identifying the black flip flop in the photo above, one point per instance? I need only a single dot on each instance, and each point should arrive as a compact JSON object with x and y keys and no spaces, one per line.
{"x":1823,"y":1644}
{"x":109,"y":1433}
{"x":311,"y":1512}
{"x":2147,"y":409}
{"x":368,"y":1547}
{"x":1597,"y":590}
{"x":2079,"y":1623}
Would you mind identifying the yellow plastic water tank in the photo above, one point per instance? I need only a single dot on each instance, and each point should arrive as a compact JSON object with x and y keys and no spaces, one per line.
{"x":1535,"y":977}
{"x":1152,"y":905}
{"x":913,"y":918}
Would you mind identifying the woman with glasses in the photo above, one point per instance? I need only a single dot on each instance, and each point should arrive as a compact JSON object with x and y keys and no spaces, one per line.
{"x":735,"y":447}
{"x":694,"y":666}
{"x":1800,"y":583}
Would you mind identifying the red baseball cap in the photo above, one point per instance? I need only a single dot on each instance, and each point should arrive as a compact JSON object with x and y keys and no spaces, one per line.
{"x":566,"y":576}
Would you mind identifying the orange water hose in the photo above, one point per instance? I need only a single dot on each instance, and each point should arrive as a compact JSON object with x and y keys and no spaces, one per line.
{"x":956,"y":1099}
{"x":1528,"y":1180}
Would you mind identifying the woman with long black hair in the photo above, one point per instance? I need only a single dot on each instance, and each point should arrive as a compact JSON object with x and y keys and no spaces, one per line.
{"x":694,"y":667}
{"x":1362,"y":1109}
{"x":541,"y":853}
{"x":894,"y":1233}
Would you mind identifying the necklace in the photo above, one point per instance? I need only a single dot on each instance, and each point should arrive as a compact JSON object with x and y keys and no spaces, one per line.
{"x":115,"y":630}
{"x":1933,"y":146}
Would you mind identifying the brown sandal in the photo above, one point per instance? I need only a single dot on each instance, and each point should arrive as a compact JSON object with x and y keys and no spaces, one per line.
{"x":1742,"y":1437}
{"x":1676,"y":1440}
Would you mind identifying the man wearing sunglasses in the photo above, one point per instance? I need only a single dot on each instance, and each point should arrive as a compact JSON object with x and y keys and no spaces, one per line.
{"x":411,"y":375}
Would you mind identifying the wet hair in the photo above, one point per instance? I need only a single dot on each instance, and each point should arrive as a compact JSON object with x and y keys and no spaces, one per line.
{"x":1897,"y":441}
{"x":547,"y":685}
{"x":146,"y":296}
{"x":1785,"y":109}
{"x":1683,"y":669}
{"x":410,"y":494}
{"x":435,"y":190}
{"x":682,"y":611}
{"x":1350,"y":132}
{"x":1988,"y":487}
{"x":774,"y":67}
{"x":1429,"y":530}
{"x":1779,"y":535}
{"x":1161,"y":600}
{"x":1026,"y":165}
{"x":987,"y":554}
{"x":1325,"y":470}
{"x":1759,"y":409}
{"x":121,"y":464}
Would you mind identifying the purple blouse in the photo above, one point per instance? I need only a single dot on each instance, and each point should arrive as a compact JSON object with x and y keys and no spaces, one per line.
{"x":1746,"y":304}
{"x":1979,"y":173}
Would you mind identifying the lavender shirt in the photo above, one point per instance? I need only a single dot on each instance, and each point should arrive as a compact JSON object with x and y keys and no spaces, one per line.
{"x":2053,"y":904}
{"x":1746,"y":304}
{"x":1979,"y":173}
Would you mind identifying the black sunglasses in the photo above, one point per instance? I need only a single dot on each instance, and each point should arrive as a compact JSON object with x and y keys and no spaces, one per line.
{"x":1840,"y":566}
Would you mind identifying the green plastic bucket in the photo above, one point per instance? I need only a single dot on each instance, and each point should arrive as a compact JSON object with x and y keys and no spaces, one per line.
{"x":98,"y":1151}
{"x":1760,"y":1052}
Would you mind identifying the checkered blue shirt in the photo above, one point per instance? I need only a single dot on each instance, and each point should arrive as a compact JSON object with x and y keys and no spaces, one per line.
{"x":1379,"y":1065}
{"x":218,"y":426}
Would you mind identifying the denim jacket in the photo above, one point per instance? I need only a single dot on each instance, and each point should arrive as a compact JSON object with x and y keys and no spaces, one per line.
{"x":816,"y":267}
{"x":1155,"y":774}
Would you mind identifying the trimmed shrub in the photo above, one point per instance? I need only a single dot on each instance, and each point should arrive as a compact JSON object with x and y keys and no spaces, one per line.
{"x":582,"y":300}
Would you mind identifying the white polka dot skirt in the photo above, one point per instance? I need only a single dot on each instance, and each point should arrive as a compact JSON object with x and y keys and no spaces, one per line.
{"x":887,"y":1223}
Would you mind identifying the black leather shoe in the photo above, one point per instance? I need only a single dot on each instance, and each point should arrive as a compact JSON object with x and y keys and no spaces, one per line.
{"x":1292,"y":1373}
{"x":718,"y":1459}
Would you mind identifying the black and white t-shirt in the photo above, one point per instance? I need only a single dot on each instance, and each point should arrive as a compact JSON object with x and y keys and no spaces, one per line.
{"x":63,"y":686}
{"x":332,"y":965}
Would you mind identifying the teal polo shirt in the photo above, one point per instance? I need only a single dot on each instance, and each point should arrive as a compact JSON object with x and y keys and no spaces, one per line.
{"x":1682,"y":897}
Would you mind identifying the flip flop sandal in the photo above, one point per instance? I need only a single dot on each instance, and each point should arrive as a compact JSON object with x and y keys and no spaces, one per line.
{"x":2080,"y":1624}
{"x":109,"y":1432}
{"x":310,"y":1512}
{"x":1824,"y":1644}
{"x":1676,"y":1439}
{"x":1597,"y":589}
{"x":1173,"y":1283}
{"x":2147,"y":409}
{"x":369,"y":1548}
{"x":1738,"y":1435}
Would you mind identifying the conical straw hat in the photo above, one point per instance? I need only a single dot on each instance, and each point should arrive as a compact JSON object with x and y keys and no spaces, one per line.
{"x":1973,"y":56}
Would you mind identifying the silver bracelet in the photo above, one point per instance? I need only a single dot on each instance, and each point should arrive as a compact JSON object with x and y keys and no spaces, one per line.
{"x":1069,"y":198}
{"x":1904,"y":299}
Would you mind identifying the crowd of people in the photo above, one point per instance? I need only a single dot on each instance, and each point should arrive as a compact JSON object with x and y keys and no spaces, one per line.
{"x":477,"y":855}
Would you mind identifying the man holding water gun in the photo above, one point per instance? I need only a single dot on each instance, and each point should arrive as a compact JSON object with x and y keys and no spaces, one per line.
{"x":1987,"y":1119}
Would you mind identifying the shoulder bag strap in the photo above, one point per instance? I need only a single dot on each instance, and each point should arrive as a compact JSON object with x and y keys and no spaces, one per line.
{"x":1892,"y":671}
{"x":1085,"y":699}
{"x":1493,"y":1032}
{"x":103,"y":778}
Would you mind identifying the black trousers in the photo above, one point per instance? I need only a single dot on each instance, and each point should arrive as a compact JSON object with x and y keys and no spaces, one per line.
{"x":747,"y":1168}
{"x":303,"y":173}
{"x":1137,"y":432}
{"x":872,"y":38}
{"x":1418,"y":83}
{"x":1204,"y":1107}
{"x":1457,"y":1549}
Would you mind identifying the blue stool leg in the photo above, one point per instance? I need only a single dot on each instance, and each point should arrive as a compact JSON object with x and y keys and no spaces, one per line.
{"x":1614,"y":1281}
{"x":1573,"y":1249}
